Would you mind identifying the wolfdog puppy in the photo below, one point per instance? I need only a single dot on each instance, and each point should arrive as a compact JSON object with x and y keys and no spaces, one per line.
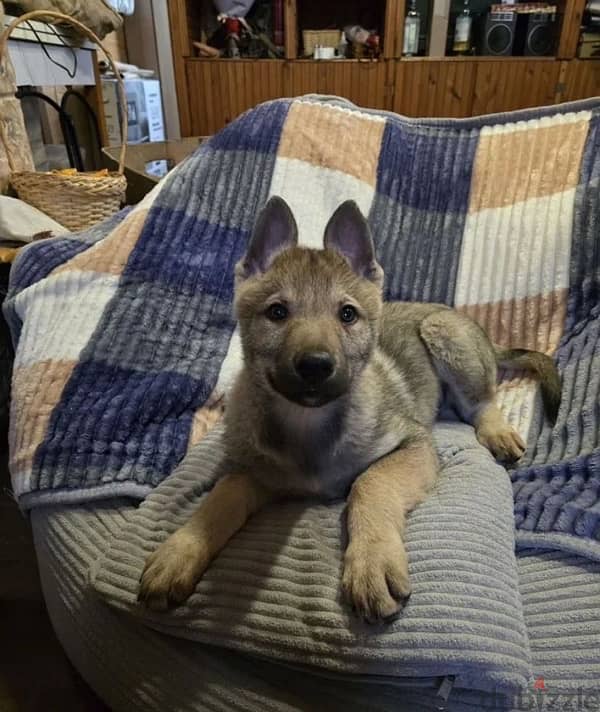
{"x":337,"y":397}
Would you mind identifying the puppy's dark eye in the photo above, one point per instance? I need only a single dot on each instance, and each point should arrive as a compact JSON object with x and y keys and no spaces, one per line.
{"x":348,"y":314}
{"x":277,"y":312}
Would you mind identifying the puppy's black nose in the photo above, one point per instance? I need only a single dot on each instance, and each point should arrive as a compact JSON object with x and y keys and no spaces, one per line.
{"x":314,"y":367}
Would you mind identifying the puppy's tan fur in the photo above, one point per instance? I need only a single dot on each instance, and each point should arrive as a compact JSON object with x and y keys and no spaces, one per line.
{"x":360,"y":429}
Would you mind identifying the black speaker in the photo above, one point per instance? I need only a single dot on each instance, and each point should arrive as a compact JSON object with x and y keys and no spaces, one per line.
{"x":497,"y":33}
{"x":536,"y":34}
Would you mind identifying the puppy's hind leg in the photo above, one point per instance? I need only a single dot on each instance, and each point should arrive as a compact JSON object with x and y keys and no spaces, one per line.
{"x":465,"y":360}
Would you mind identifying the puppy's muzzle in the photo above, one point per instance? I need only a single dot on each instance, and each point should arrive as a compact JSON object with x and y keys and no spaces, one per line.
{"x":314,"y":367}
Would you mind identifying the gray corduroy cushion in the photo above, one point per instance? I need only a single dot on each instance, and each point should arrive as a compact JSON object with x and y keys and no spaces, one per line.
{"x":274,"y":590}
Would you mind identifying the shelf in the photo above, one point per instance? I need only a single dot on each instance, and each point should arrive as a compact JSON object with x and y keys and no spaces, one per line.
{"x":308,"y":60}
{"x":391,"y":14}
{"x":212,"y":92}
{"x":479,"y":58}
{"x":237,"y":60}
{"x":382,"y":60}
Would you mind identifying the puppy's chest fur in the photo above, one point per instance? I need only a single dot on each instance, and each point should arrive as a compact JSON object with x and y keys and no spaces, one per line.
{"x":320,"y":451}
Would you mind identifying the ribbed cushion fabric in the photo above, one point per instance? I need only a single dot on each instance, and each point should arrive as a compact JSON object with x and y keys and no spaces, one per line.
{"x":274,"y":590}
{"x":134,"y":668}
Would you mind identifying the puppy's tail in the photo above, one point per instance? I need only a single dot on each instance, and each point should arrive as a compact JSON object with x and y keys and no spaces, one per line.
{"x":539,"y":365}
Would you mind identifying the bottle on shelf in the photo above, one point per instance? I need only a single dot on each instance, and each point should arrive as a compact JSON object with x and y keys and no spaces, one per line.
{"x":342,"y":48}
{"x":462,"y":31}
{"x":412,"y":26}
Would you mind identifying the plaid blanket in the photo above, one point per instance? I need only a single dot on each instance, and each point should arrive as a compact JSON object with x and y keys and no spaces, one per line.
{"x":126,"y":343}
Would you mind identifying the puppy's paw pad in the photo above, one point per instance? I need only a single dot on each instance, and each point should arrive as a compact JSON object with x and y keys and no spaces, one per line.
{"x":172,"y":572}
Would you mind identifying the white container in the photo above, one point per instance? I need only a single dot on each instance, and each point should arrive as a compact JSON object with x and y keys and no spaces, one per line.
{"x":325,"y":53}
{"x":144,"y":108}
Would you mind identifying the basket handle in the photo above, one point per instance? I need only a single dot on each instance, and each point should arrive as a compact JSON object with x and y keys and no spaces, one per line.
{"x":58,"y":17}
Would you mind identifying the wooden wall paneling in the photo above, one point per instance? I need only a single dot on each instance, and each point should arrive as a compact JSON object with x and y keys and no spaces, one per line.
{"x":368,"y":84}
{"x":180,"y":42}
{"x":561,"y":85}
{"x":581,"y":79}
{"x":460,"y":93}
{"x":435,"y":80}
{"x":290,"y":28}
{"x":571,"y":12}
{"x":539,"y":87}
{"x":434,"y":88}
{"x":389,"y":87}
{"x":208,"y":99}
{"x":489,"y":81}
{"x":300,"y":77}
{"x":509,"y":84}
{"x":221,"y":90}
{"x":232,"y":88}
{"x":363,"y":83}
{"x":206,"y":107}
{"x":455,"y":91}
{"x":465,"y":87}
{"x":410,"y":88}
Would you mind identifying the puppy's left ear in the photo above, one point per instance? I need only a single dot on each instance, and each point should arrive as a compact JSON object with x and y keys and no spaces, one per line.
{"x":348,"y":233}
{"x":274,"y":232}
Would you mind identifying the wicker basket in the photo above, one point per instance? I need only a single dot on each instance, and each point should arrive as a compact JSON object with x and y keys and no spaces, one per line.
{"x":77,"y":200}
{"x":324,"y":38}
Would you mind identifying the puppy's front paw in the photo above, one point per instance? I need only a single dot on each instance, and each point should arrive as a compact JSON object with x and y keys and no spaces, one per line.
{"x":375,"y":579}
{"x":172,"y":571}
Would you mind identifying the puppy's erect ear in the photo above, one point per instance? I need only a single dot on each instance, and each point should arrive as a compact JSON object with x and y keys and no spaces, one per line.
{"x":275,"y":231}
{"x":348,"y":233}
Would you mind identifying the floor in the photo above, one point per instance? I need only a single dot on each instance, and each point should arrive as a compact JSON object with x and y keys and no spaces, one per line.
{"x":35,"y":674}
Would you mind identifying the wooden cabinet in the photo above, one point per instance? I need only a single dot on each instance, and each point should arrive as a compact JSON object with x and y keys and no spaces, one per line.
{"x":218,"y":91}
{"x":364,"y":83}
{"x":221,"y":90}
{"x":212,"y":92}
{"x":579,"y":79}
{"x":506,"y":85}
{"x":434,"y":87}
